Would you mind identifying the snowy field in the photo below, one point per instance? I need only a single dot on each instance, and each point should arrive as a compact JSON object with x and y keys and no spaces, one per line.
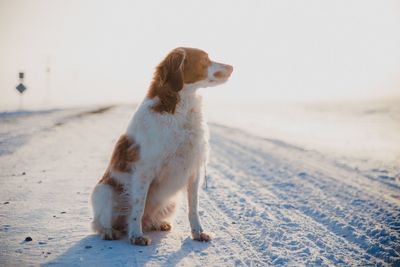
{"x":282,"y":190}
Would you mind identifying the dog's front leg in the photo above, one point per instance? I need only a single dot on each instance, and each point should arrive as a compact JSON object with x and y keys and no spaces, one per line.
{"x":139,"y":189}
{"x":193,"y":199}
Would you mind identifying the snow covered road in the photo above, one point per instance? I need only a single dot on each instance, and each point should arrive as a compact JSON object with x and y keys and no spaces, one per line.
{"x":267,"y":202}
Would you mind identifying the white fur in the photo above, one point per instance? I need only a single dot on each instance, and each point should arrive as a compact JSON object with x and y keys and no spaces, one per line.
{"x":173,"y":153}
{"x":173,"y":149}
{"x":102,"y":199}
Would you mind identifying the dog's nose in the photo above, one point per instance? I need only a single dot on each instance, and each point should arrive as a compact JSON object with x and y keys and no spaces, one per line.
{"x":229,"y":69}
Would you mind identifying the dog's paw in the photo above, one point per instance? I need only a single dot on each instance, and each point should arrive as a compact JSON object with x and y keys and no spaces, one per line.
{"x":201,"y":236}
{"x":106,"y":236}
{"x":140,"y":241}
{"x":163,"y":226}
{"x":111,"y":234}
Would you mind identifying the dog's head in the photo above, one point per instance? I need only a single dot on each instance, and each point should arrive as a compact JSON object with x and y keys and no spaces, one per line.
{"x":185,"y":69}
{"x":191,"y":66}
{"x":199,"y":71}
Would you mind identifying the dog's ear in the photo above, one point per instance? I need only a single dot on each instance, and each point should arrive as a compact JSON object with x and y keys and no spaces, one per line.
{"x":171,"y":70}
{"x":168,"y":81}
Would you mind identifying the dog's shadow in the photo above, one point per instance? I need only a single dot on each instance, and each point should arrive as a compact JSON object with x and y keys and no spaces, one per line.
{"x":92,"y":251}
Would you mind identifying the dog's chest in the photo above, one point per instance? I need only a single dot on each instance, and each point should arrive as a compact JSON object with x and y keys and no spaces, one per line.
{"x":188,"y":150}
{"x":190,"y":139}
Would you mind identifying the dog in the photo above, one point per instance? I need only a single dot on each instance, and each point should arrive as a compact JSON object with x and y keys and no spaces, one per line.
{"x":162,"y":152}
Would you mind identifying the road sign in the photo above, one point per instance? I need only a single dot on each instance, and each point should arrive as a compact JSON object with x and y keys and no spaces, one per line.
{"x":21,"y":88}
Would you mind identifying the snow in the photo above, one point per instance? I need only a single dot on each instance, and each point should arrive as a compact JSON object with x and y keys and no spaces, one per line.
{"x":268,"y":201}
{"x":357,"y":134}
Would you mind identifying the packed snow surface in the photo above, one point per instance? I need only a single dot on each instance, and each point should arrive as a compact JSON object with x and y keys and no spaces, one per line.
{"x":267,"y":201}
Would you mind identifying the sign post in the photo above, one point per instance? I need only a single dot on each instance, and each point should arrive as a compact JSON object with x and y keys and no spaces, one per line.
{"x":21,"y":88}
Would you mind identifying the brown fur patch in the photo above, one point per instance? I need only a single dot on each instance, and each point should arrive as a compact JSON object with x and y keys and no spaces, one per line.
{"x":168,"y":81}
{"x":126,"y":152}
{"x":107,"y":179}
{"x":162,"y":226}
{"x":195,"y":66}
{"x":219,"y":75}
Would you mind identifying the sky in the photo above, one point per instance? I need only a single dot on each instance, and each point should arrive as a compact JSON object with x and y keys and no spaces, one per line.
{"x":94,"y":52}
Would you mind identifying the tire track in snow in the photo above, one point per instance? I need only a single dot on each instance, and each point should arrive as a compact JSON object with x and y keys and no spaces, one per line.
{"x":228,"y":241}
{"x":274,"y":227}
{"x":341,"y":192}
{"x":280,"y":175}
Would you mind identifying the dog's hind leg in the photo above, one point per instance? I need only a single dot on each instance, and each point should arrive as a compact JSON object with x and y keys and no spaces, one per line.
{"x":160,"y":220}
{"x":102,"y":203}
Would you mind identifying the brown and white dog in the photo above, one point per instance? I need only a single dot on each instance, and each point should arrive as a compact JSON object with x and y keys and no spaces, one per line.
{"x":163,"y":151}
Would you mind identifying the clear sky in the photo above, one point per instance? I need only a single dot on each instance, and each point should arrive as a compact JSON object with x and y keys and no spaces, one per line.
{"x":85,"y":52}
